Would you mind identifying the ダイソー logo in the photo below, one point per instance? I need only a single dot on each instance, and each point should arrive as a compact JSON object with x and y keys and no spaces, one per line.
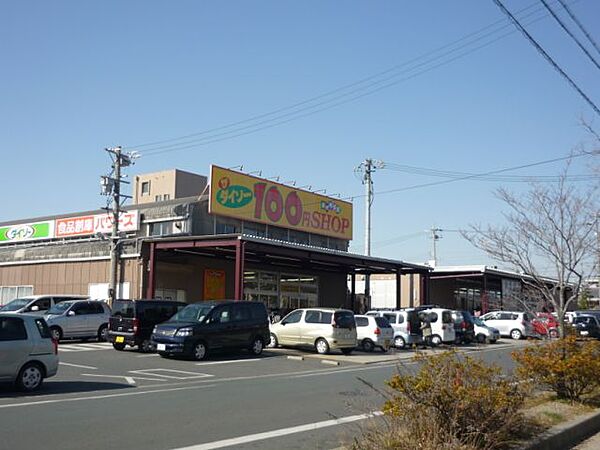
{"x":20,"y":232}
{"x":233,"y":196}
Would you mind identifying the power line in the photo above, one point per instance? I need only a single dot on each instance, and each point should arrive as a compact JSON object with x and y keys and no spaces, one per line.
{"x":493,"y":172}
{"x":346,"y":97}
{"x":579,"y":24}
{"x":499,"y":178}
{"x":564,"y":27}
{"x":546,"y":55}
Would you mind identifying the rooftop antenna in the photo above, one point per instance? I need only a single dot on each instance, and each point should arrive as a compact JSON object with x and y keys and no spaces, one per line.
{"x":240,"y":167}
{"x":259,"y":172}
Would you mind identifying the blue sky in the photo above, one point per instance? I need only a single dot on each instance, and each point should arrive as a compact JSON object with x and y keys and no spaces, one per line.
{"x":81,"y":76}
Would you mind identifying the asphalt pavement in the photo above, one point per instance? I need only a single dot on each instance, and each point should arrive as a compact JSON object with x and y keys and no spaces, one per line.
{"x":285,"y":399}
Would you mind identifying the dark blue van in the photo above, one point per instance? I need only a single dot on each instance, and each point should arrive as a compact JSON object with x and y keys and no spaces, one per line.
{"x":203,"y":327}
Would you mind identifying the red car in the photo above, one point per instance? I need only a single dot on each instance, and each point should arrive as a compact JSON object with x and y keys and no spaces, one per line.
{"x":545,"y":324}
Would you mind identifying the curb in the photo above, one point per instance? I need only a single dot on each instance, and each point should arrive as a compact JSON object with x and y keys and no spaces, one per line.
{"x":568,"y":434}
{"x":330,"y":362}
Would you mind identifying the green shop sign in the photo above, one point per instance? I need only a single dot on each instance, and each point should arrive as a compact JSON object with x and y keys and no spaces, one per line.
{"x":26,"y":232}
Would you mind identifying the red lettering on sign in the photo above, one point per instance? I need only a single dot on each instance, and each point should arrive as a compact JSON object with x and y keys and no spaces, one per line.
{"x":259,"y":194}
{"x":293,"y":208}
{"x":273,"y":204}
{"x":336,"y":224}
{"x":345,"y":225}
{"x":316,"y":220}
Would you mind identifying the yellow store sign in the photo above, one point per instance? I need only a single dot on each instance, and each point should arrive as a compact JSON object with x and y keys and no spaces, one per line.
{"x":245,"y":197}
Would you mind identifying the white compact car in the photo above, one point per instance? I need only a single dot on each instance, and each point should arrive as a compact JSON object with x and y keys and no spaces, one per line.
{"x":485,"y":333}
{"x":514,"y":324}
{"x":373,"y":332}
{"x":28,"y":354}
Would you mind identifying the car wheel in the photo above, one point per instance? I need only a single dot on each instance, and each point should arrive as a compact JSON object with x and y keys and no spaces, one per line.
{"x":516,"y":334}
{"x":481,"y":338}
{"x":103,"y":333}
{"x":436,"y":340}
{"x":347,"y":351}
{"x":368,"y":345}
{"x":257,"y":346}
{"x":30,"y":377}
{"x":120,"y":347}
{"x":56,"y":333}
{"x":146,"y":346}
{"x":200,"y":351}
{"x":399,"y":342}
{"x":553,"y":333}
{"x":273,"y":342}
{"x":322,"y":346}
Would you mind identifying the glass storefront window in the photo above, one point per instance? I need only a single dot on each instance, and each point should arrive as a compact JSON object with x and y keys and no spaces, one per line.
{"x":282,"y":292}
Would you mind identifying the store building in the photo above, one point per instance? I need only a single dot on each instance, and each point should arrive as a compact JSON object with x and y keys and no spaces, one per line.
{"x":191,"y":238}
{"x":472,"y":288}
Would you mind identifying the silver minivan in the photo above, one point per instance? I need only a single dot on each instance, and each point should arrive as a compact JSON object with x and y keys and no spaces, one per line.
{"x":37,"y":304}
{"x":79,"y":319}
{"x":28,"y":354}
{"x":323,"y":329}
{"x":406,"y":325}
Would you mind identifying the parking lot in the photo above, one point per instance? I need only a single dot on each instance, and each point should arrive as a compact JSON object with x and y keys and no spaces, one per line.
{"x":143,"y":399}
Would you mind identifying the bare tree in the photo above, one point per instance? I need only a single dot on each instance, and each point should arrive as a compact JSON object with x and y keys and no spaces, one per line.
{"x":551,"y":226}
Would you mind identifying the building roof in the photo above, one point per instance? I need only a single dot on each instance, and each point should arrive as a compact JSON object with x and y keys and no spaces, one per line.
{"x":292,"y":253}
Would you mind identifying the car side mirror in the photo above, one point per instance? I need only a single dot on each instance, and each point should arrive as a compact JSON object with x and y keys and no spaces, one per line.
{"x":35,"y":308}
{"x":71,"y":313}
{"x":283,"y":322}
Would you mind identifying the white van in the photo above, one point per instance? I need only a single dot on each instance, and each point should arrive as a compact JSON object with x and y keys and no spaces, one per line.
{"x":442,"y":325}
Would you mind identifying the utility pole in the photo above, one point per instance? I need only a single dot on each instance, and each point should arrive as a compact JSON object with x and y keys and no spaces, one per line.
{"x":434,"y":238}
{"x":111,"y":187}
{"x":367,"y":167}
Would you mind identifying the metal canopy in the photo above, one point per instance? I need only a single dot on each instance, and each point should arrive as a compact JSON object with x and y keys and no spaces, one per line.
{"x":269,"y":251}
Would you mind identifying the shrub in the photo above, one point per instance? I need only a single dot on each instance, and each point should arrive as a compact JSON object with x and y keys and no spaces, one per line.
{"x":450,"y":402}
{"x":567,"y":367}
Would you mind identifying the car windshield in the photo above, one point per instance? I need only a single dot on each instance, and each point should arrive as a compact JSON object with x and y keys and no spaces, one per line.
{"x":16,"y":304}
{"x":479,"y":322}
{"x":60,"y":308}
{"x":192,"y":313}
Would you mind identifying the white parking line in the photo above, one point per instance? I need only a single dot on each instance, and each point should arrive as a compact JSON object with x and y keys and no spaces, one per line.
{"x":77,"y":365}
{"x":102,"y":397}
{"x":171,"y":374}
{"x":281,"y":432}
{"x":228,"y":362}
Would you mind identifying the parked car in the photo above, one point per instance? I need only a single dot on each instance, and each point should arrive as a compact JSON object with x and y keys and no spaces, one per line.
{"x":323,"y":329}
{"x":83,"y":319}
{"x":373,"y":332}
{"x":587,"y":325}
{"x":485,"y":333}
{"x":28,"y":354}
{"x":203,"y":327}
{"x":464,"y":327}
{"x":132,"y":321}
{"x":514,"y":324}
{"x":406,"y":325}
{"x":442,"y":325}
{"x":545,"y":324}
{"x":37,"y":304}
